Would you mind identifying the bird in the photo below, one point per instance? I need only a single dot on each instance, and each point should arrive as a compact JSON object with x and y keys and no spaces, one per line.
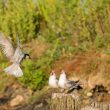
{"x":53,"y":82}
{"x":66,"y":84}
{"x":14,"y":55}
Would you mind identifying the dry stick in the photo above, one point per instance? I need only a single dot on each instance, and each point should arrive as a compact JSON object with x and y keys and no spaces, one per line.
{"x":101,"y":24}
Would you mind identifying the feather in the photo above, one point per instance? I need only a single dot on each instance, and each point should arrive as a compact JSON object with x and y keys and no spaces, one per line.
{"x":6,"y":46}
{"x":18,"y":56}
{"x":53,"y":82}
{"x":18,"y":41}
{"x":14,"y":69}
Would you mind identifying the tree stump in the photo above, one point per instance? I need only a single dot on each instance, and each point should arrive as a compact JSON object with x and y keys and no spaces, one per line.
{"x":97,"y":106}
{"x":62,"y":101}
{"x":101,"y":105}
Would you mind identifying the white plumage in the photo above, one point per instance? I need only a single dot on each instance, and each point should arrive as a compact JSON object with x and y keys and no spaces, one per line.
{"x":64,"y":83}
{"x":53,"y":82}
{"x":15,"y":55}
{"x":14,"y":69}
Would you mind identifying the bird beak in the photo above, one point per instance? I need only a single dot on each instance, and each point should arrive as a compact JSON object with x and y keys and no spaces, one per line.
{"x":29,"y":57}
{"x":52,"y":73}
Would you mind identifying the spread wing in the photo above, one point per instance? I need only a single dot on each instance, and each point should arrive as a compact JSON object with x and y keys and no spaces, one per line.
{"x":73,"y":84}
{"x":18,"y":56}
{"x":6,"y":46}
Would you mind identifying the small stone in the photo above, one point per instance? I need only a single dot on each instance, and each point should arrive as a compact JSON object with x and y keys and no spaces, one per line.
{"x":16,"y":101}
{"x":89,"y":94}
{"x":38,"y":106}
{"x":109,"y":92}
{"x":1,"y":96}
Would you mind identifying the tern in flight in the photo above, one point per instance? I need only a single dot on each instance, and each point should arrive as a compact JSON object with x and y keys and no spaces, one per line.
{"x":15,"y":55}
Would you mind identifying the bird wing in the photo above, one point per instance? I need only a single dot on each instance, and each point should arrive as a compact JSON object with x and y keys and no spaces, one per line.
{"x":14,"y":69}
{"x":7,"y":46}
{"x":73,"y":84}
{"x":18,"y":56}
{"x":18,"y":41}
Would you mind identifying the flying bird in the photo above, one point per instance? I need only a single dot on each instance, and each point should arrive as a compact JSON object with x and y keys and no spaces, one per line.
{"x":66,"y":84}
{"x":53,"y":82}
{"x":15,"y":55}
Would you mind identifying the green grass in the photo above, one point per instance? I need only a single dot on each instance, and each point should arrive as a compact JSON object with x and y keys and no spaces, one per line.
{"x":70,"y":27}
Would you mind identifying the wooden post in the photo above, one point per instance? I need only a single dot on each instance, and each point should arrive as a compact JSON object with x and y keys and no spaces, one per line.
{"x":101,"y":105}
{"x":62,"y":101}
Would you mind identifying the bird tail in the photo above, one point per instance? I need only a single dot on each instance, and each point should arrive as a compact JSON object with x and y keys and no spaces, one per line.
{"x":14,"y":69}
{"x":77,"y":83}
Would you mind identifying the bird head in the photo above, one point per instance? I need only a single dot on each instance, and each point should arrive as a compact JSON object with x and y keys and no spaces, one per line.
{"x":27,"y":56}
{"x":63,"y":75}
{"x":53,"y":73}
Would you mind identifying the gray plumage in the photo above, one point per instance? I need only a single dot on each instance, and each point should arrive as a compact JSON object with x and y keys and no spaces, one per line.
{"x":15,"y":55}
{"x":64,"y":83}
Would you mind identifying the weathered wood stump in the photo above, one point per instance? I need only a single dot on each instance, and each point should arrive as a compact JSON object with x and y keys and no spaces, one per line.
{"x":97,"y":106}
{"x":101,"y":105}
{"x":62,"y":101}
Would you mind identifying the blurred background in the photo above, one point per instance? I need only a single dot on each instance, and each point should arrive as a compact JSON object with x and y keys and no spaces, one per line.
{"x":73,"y":35}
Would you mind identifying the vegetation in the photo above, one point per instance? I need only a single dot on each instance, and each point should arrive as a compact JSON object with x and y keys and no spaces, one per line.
{"x":67,"y":27}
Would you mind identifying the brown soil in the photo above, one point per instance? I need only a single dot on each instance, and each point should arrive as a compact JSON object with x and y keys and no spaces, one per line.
{"x":91,"y":69}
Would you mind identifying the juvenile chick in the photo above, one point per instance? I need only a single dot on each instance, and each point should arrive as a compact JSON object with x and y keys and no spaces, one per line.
{"x":53,"y":82}
{"x":66,"y":84}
